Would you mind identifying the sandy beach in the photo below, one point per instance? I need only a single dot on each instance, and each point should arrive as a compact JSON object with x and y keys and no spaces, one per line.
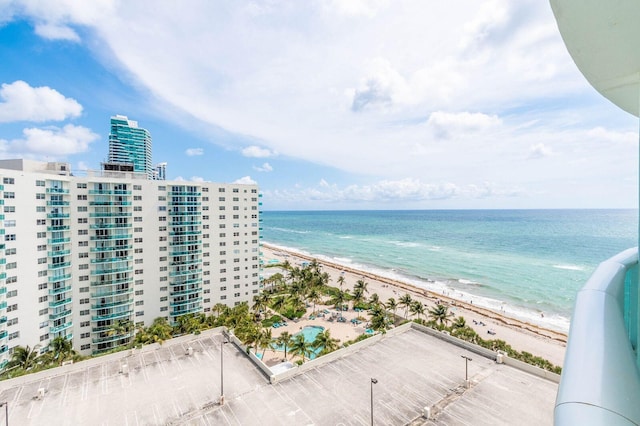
{"x":548,"y":344}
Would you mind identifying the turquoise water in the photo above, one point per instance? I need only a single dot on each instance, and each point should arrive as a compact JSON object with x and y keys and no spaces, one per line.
{"x":529,"y":263}
{"x":310,"y":332}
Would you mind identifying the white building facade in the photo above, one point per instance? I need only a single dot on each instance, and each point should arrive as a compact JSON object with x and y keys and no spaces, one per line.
{"x":87,"y":258}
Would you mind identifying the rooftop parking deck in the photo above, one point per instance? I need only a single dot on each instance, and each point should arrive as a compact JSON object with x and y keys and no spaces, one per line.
{"x":164,"y":385}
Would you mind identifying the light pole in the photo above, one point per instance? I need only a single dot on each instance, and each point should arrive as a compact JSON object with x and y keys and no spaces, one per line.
{"x":6,"y":412}
{"x":373,"y":382}
{"x":466,"y":369}
{"x":222,"y":343}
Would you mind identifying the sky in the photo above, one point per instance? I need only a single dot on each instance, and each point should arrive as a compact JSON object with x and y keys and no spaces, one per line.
{"x":326,"y":104}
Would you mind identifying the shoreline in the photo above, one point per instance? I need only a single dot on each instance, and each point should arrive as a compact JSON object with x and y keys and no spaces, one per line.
{"x":521,"y":335}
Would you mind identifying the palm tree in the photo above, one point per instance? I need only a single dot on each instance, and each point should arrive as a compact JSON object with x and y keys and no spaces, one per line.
{"x":374,"y":299}
{"x":417,"y":308}
{"x":326,"y":342}
{"x":158,"y":331}
{"x":362,"y":285}
{"x":358,"y":296}
{"x":379,"y":320}
{"x":219,"y":308}
{"x":301,"y":347}
{"x":406,"y":302}
{"x":24,"y":357}
{"x":285,"y":339}
{"x":440,"y":314}
{"x":341,"y":281}
{"x":278,"y":303}
{"x":459,"y":322}
{"x":393,"y":306}
{"x":265,"y":339}
{"x":314,"y":296}
{"x":260,"y":303}
{"x":61,"y":349}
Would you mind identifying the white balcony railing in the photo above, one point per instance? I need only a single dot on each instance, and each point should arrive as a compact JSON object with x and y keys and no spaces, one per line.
{"x":600,"y":383}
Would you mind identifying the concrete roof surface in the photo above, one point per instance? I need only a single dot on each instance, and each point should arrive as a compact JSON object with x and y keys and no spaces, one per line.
{"x":164,"y":385}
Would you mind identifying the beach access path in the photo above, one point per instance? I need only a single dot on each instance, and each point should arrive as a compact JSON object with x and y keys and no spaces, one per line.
{"x":522,"y":336}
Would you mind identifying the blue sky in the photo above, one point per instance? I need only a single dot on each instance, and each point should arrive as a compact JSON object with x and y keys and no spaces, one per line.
{"x":326,"y":104}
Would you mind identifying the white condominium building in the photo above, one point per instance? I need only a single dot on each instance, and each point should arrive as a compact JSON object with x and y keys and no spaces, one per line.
{"x":86,"y":258}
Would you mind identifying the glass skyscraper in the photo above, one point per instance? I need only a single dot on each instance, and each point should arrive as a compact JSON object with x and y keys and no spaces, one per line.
{"x":130,"y":144}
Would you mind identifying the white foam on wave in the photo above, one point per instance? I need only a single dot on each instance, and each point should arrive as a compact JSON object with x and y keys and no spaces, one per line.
{"x":291,"y":231}
{"x":345,"y":237}
{"x":569,"y":267}
{"x":468,"y":282}
{"x":551,"y":321}
{"x":409,"y":244}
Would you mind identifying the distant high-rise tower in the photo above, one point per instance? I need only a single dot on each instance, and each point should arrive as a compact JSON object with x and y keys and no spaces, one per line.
{"x":160,"y":172}
{"x":131,"y":144}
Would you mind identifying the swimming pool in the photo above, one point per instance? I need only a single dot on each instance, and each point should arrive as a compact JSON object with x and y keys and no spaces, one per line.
{"x":309,"y":332}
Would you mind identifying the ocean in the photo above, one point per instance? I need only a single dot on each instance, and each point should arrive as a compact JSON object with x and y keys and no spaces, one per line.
{"x":527,"y":263}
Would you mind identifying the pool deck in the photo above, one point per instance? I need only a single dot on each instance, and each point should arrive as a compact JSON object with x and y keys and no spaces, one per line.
{"x":166,"y":385}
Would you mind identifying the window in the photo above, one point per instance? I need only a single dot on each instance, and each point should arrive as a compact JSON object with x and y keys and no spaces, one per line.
{"x":137,"y":198}
{"x":82,"y":197}
{"x":9,"y":194}
{"x":10,"y":209}
{"x":85,"y":323}
{"x":41,"y":235}
{"x":82,"y":209}
{"x":13,"y":250}
{"x":84,"y":266}
{"x":85,"y":312}
{"x":44,"y":311}
{"x":85,"y":335}
{"x":85,"y":347}
{"x":42,"y":260}
{"x":81,"y":185}
{"x":84,"y":289}
{"x":40,"y":196}
{"x":137,"y":208}
{"x":137,"y":240}
{"x":10,"y":223}
{"x":43,"y":299}
{"x":12,"y":265}
{"x":11,"y":280}
{"x":8,"y":181}
{"x":83,"y":255}
{"x":83,"y":232}
{"x":40,"y":222}
{"x":137,"y":219}
{"x":137,"y":187}
{"x":83,"y":220}
{"x":139,"y":229}
{"x":12,"y":293}
{"x":83,"y":244}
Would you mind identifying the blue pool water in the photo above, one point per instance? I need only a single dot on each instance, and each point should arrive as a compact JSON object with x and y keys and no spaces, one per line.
{"x":309,"y":332}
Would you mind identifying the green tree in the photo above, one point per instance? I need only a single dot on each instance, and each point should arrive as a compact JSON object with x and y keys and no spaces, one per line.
{"x":459,"y":322}
{"x":265,"y":339}
{"x":379,"y":319}
{"x":393,"y":306}
{"x":326,"y":342}
{"x":24,"y":357}
{"x":301,"y":347}
{"x":417,"y":308}
{"x":285,"y":339}
{"x":405,"y":301}
{"x":61,"y":349}
{"x":314,"y":296}
{"x":440,"y":314}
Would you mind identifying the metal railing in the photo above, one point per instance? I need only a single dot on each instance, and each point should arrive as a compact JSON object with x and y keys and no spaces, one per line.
{"x":600,"y":383}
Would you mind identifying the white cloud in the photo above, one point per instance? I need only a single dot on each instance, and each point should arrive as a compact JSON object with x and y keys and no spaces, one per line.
{"x":349,"y":85}
{"x":246,"y":180}
{"x":21,"y":102}
{"x":401,"y":192}
{"x":52,"y":142}
{"x":197,"y":179}
{"x":446,"y":125}
{"x":257,"y":152}
{"x":540,"y":150}
{"x":194,"y":151}
{"x":56,"y":32}
{"x":82,"y":166}
{"x":266,"y":167}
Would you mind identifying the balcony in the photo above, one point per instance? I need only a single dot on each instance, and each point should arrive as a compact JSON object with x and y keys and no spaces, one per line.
{"x":600,"y":381}
{"x":58,"y":215}
{"x":61,"y":327}
{"x":57,"y":191}
{"x":61,"y":277}
{"x":110,"y":214}
{"x":113,"y":315}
